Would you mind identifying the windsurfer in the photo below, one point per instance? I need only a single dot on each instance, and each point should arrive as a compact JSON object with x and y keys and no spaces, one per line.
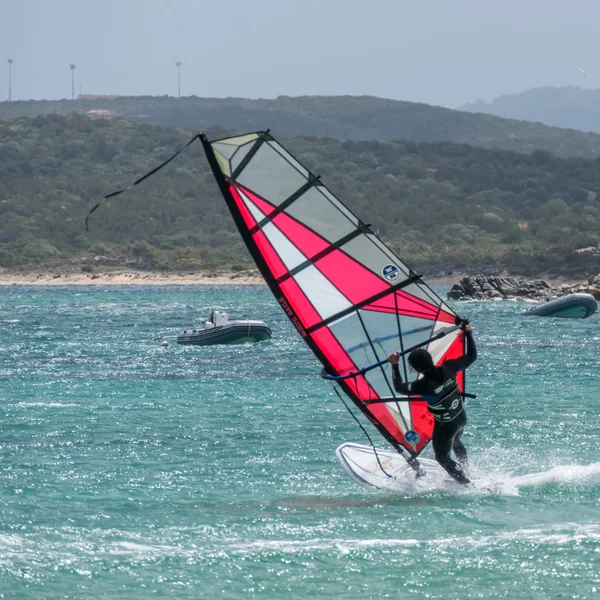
{"x":444,"y":399}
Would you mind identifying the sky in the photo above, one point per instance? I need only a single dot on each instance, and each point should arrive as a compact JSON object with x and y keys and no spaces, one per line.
{"x":441,"y":52}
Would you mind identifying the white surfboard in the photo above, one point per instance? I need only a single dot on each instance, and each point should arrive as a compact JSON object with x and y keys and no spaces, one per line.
{"x":380,"y":468}
{"x":388,"y":470}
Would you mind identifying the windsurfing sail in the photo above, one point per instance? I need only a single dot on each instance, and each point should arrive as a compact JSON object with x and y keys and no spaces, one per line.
{"x":349,"y":296}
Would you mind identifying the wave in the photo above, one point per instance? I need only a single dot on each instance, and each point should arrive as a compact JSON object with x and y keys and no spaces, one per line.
{"x":561,"y":474}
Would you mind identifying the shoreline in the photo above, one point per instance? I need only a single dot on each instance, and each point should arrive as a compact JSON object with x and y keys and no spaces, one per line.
{"x":129,"y":278}
{"x":137,"y":277}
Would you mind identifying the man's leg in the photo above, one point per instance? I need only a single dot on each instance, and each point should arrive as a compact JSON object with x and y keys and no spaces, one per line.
{"x":459,"y":450}
{"x":442,"y":442}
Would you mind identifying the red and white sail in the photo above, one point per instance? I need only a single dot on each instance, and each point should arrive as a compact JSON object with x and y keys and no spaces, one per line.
{"x":349,"y":296}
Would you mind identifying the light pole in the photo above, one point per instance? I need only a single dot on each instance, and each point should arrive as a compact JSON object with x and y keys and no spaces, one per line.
{"x":72,"y":67}
{"x":10,"y":62}
{"x":178,"y":63}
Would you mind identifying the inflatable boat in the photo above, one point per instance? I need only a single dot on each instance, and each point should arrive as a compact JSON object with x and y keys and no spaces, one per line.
{"x":218,"y":329}
{"x":572,"y":306}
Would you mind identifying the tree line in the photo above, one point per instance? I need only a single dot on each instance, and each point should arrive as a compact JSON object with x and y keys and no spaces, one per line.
{"x":341,"y":117}
{"x":441,"y":205}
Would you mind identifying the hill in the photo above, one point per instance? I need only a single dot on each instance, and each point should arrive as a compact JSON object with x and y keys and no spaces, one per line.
{"x":570,"y":107}
{"x":444,"y":205}
{"x":341,"y":117}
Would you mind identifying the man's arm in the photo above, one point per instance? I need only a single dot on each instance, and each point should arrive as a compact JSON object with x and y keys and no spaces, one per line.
{"x":461,"y":363}
{"x":408,"y":389}
{"x":399,"y":385}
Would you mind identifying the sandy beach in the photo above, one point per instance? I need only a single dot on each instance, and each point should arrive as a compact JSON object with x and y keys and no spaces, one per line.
{"x":130,"y":277}
{"x":137,"y":277}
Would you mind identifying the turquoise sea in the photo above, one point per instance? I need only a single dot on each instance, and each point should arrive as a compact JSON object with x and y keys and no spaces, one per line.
{"x":129,"y":470}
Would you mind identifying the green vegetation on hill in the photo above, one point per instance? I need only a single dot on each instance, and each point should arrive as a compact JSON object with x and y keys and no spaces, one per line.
{"x":440,"y":205}
{"x":342,"y":117}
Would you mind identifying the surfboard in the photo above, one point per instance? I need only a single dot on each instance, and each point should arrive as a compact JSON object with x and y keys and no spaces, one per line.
{"x":388,"y":470}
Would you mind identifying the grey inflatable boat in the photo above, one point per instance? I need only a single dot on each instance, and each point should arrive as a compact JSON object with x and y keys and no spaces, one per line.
{"x":218,"y":329}
{"x":572,"y":306}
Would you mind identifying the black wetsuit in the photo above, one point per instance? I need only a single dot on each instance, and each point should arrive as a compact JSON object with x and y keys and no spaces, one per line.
{"x":445,"y":402}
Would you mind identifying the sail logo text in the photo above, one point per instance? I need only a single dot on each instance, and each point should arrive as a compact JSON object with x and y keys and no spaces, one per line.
{"x":412,"y":437}
{"x":290,"y":313}
{"x":391,"y":272}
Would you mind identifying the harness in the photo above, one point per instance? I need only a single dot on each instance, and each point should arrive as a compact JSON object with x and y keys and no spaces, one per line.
{"x":444,"y":398}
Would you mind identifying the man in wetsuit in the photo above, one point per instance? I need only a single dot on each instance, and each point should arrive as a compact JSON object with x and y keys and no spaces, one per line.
{"x":444,"y":400}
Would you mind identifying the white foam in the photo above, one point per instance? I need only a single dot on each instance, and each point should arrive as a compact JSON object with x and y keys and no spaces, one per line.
{"x":71,"y":549}
{"x":441,"y":482}
{"x":46,"y":404}
{"x":136,"y":548}
{"x":558,"y":535}
{"x":561,"y":474}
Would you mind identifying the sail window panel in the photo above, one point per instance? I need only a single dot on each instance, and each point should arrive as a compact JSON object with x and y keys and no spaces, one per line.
{"x":271,"y":176}
{"x":379,"y":330}
{"x":390,"y":256}
{"x":337,"y":356}
{"x":382,"y":329}
{"x":239,"y":156}
{"x":377,"y":380}
{"x":415,"y":331}
{"x":313,"y":210}
{"x":320,"y":291}
{"x":289,"y":158}
{"x":288,"y":253}
{"x":364,"y":251}
{"x":351,"y":335}
{"x":339,"y":360}
{"x":335,"y":202}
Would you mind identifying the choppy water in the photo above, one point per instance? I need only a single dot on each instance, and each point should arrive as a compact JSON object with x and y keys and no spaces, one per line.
{"x":133,"y":471}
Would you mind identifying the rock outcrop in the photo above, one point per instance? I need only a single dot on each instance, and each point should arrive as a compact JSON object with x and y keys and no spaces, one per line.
{"x":482,"y":287}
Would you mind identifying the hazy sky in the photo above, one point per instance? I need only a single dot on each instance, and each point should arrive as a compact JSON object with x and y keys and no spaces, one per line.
{"x":444,"y":52}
